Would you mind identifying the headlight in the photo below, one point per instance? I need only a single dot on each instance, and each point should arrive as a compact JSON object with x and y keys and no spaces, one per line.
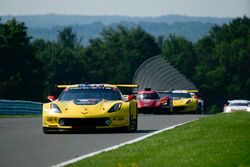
{"x":54,"y":108}
{"x":115,"y":107}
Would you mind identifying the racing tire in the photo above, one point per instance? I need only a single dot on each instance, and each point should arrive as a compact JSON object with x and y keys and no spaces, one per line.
{"x":133,"y":125}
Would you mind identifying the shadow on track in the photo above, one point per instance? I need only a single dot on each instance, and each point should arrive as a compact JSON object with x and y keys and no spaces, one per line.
{"x":98,"y":131}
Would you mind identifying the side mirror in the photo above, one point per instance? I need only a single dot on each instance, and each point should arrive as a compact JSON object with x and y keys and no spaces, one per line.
{"x":51,"y":98}
{"x":131,"y":97}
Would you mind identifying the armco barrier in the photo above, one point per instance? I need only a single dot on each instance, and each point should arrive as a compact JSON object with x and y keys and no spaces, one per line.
{"x":20,"y":107}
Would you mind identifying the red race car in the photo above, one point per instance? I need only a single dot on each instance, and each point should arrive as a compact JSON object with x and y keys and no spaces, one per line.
{"x":148,"y":101}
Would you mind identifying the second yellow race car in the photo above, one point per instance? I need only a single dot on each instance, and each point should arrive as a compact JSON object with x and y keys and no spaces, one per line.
{"x":183,"y":102}
{"x":90,"y":106}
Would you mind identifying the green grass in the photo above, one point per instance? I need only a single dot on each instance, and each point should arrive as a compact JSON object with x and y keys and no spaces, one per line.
{"x":219,"y":140}
{"x":19,"y":116}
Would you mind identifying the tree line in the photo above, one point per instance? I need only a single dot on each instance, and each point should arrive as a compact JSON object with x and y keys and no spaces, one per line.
{"x":30,"y":69}
{"x":190,"y":30}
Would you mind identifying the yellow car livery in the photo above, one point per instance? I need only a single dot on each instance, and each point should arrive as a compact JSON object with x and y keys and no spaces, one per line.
{"x":183,"y":102}
{"x":90,"y":106}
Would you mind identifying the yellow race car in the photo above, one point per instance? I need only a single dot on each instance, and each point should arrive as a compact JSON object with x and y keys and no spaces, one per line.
{"x":183,"y":102}
{"x":90,"y":106}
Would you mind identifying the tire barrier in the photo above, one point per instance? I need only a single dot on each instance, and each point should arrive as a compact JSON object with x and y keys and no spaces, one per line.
{"x":158,"y":74}
{"x":19,"y":107}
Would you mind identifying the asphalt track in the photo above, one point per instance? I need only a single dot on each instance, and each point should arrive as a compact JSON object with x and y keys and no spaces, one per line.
{"x":23,"y":144}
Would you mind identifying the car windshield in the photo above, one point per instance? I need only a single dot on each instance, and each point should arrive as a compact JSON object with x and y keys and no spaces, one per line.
{"x":181,"y":95}
{"x":73,"y":94}
{"x":147,"y":96}
{"x":238,"y":104}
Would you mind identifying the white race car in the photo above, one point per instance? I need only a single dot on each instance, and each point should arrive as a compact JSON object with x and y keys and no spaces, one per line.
{"x":237,"y":105}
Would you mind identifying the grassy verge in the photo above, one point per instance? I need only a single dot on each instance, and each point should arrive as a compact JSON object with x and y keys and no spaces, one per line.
{"x":19,"y":116}
{"x":220,"y":140}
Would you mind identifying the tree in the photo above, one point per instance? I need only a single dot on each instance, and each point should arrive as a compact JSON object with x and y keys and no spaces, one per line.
{"x":180,"y":52}
{"x":67,"y":38}
{"x":115,"y":56}
{"x":19,"y":68}
{"x":62,"y":60}
{"x":222,"y":72}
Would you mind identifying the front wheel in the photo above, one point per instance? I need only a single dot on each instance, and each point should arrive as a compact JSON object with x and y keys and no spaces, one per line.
{"x":133,"y":125}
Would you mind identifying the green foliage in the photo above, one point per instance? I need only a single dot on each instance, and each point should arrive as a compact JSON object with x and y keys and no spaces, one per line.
{"x":67,"y":38}
{"x":218,"y":63}
{"x":62,"y":61}
{"x":115,"y":56}
{"x":228,"y":59}
{"x":47,"y":26}
{"x":213,"y":109}
{"x":180,"y":52}
{"x":19,"y":68}
{"x":111,"y":58}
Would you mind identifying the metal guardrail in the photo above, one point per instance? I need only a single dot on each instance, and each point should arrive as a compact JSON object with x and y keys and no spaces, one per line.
{"x":20,"y":107}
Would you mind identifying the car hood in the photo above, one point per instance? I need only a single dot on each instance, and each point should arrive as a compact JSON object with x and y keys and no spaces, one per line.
{"x":182,"y":101}
{"x":148,"y":103}
{"x":85,"y":107}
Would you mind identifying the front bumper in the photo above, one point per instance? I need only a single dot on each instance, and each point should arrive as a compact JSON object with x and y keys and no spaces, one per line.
{"x":185,"y":108}
{"x":85,"y":123}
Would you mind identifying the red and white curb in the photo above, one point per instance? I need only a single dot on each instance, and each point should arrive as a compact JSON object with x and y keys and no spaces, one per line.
{"x":119,"y":145}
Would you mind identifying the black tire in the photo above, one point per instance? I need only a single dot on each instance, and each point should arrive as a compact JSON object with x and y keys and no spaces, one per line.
{"x":139,"y":110}
{"x":133,"y":125}
{"x":176,"y":112}
{"x":157,"y":112}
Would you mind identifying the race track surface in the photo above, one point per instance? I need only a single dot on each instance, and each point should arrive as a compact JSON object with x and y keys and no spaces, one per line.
{"x":23,"y":144}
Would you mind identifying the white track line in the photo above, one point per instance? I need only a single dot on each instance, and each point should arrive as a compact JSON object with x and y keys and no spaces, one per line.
{"x":119,"y":145}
